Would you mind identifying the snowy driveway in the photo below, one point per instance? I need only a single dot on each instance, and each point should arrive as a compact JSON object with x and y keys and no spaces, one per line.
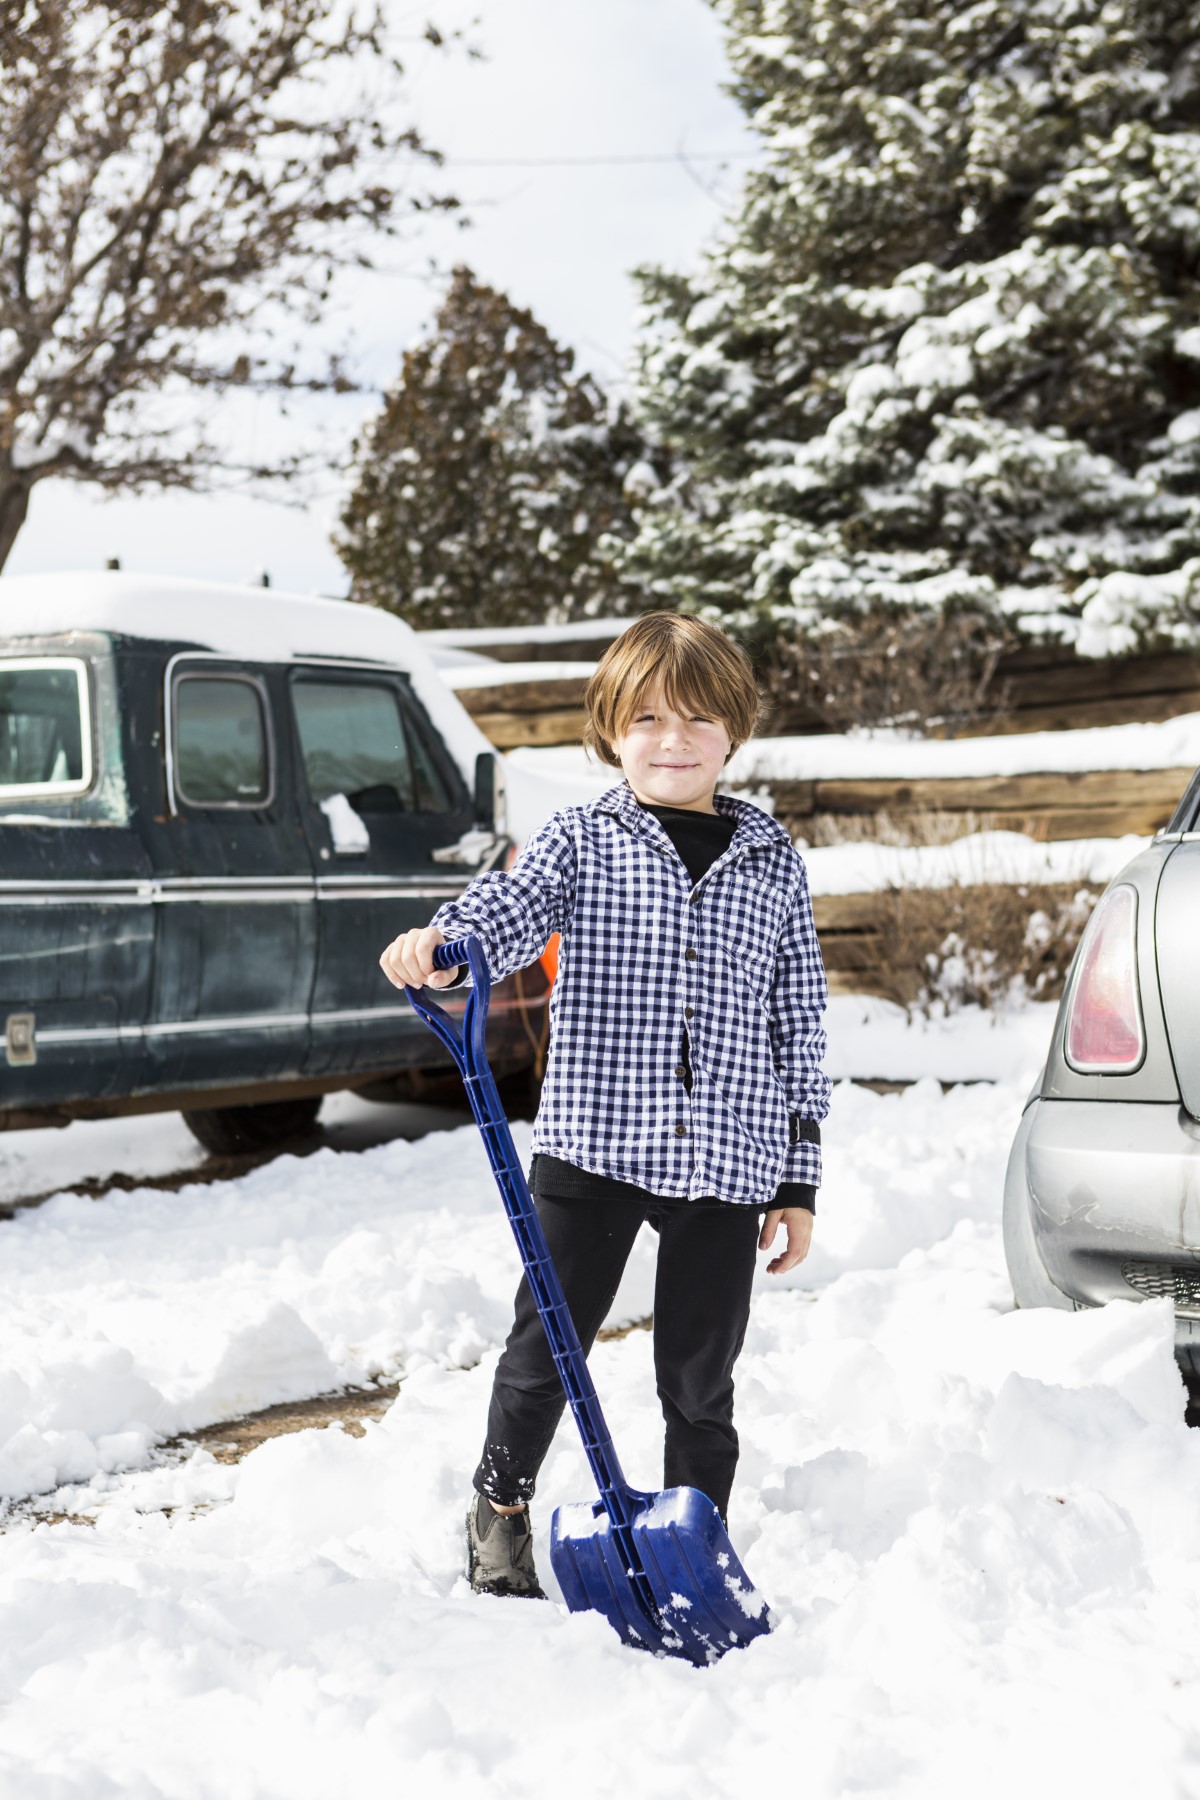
{"x":978,"y":1529}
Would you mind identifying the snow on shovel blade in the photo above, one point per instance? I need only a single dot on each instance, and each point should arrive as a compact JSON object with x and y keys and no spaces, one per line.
{"x":703,"y":1601}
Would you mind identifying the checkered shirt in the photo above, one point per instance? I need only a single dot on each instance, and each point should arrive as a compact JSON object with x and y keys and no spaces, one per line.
{"x":644,"y":956}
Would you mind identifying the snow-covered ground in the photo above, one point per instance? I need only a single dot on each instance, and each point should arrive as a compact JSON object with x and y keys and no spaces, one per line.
{"x":155,"y":1145}
{"x":869,"y":1039}
{"x":977,"y":1528}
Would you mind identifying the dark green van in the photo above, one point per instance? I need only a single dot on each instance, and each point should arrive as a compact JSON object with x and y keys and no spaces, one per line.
{"x":217,"y":805}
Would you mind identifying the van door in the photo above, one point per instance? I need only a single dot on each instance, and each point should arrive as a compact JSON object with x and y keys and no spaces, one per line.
{"x":380,"y":798}
{"x":236,"y":941}
{"x":76,"y":904}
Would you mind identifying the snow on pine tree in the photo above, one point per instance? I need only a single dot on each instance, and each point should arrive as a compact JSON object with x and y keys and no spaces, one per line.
{"x":945,"y":355}
{"x":490,"y":490}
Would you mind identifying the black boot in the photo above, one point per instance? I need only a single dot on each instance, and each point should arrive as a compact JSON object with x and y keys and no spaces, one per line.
{"x":500,"y":1551}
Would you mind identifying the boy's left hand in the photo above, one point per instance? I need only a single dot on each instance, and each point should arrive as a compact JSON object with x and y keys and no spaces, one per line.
{"x":798,"y":1222}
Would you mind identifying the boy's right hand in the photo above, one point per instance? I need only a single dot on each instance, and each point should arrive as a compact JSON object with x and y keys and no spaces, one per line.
{"x":408,"y":961}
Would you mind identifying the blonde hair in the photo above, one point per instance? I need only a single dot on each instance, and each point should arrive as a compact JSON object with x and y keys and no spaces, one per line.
{"x":701,"y":669}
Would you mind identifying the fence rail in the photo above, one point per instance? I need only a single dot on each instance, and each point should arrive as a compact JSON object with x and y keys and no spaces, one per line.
{"x":1050,"y":806}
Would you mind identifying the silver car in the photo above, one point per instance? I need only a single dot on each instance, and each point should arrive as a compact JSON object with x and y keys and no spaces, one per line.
{"x":1102,"y":1195}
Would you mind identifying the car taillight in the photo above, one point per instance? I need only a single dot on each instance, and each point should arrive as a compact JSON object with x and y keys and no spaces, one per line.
{"x":1104,"y":1028}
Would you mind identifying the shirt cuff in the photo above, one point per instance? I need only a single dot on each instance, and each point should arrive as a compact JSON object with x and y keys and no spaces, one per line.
{"x":796,"y":1193}
{"x":802,"y":1163}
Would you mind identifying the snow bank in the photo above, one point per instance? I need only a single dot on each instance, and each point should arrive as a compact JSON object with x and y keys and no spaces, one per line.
{"x":884,"y":755}
{"x":148,"y":1313}
{"x":976,"y":1527}
{"x":875,"y":1040}
{"x":984,"y":856}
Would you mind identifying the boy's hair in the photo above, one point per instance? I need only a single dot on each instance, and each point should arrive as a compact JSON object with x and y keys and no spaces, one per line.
{"x":701,"y":669}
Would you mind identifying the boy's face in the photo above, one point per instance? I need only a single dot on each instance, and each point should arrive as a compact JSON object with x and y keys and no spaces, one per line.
{"x":672,"y":758}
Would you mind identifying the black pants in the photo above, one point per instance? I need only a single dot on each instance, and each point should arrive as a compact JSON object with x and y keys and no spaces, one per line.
{"x":706,"y":1256}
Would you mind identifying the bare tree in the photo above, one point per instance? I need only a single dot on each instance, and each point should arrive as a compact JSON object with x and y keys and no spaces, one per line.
{"x":180,"y":184}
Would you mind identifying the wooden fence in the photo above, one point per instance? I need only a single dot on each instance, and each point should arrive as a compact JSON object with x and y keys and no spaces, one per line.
{"x":1047,"y":688}
{"x":1048,"y":806}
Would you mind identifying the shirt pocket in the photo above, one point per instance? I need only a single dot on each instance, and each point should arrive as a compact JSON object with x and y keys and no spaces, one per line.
{"x":747,"y":919}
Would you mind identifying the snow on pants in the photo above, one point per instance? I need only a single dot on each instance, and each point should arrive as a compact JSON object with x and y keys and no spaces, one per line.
{"x":706,"y":1257}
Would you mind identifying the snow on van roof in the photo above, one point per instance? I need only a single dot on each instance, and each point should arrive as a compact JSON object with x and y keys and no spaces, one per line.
{"x":257,"y":623}
{"x":263,"y":624}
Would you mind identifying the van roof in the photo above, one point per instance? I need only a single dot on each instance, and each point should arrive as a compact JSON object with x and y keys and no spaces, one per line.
{"x":259,"y":623}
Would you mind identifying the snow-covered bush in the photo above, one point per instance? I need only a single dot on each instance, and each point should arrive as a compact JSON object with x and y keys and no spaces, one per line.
{"x":991,"y":944}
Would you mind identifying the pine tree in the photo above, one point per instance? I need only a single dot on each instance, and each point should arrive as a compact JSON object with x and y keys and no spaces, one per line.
{"x":945,"y":355}
{"x":493,"y":487}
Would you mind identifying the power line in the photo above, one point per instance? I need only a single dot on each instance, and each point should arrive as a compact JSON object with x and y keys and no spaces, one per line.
{"x":593,"y":162}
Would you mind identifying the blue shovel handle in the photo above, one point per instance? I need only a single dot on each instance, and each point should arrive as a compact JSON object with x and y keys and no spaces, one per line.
{"x":467,"y":1047}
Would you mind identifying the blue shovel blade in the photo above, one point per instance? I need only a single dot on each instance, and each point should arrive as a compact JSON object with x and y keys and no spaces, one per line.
{"x":705,"y":1603}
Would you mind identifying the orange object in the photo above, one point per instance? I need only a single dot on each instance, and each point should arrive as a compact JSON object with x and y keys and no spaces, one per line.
{"x":549,"y":959}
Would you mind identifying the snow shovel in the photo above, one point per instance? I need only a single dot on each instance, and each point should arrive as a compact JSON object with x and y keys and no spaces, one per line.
{"x":659,"y":1567}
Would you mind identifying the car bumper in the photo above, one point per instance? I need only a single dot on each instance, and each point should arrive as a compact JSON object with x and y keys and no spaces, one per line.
{"x":1114,"y":1203}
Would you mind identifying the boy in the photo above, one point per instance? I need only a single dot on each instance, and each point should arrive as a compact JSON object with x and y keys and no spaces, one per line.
{"x":683,"y":1084}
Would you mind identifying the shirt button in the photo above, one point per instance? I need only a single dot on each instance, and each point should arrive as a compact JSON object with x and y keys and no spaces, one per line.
{"x":691,"y":954}
{"x":688,"y":1011}
{"x":681,"y":1131}
{"x":680,"y":1070}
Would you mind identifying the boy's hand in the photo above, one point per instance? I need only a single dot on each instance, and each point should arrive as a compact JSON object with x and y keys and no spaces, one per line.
{"x":799,"y":1225}
{"x":409,"y":960}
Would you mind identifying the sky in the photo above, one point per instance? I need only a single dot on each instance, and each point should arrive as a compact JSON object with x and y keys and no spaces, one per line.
{"x":602,"y":79}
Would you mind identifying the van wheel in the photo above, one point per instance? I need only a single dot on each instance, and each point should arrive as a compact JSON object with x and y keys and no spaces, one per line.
{"x":241,"y":1130}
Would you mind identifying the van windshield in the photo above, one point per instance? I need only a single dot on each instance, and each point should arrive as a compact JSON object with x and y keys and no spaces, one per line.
{"x":45,"y":743}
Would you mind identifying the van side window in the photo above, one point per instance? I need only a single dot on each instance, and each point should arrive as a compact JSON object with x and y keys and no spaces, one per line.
{"x":45,"y":727}
{"x":221,"y":746}
{"x":358,"y":741}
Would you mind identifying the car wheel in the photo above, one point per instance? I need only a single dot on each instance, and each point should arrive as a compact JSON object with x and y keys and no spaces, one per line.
{"x":242,"y":1130}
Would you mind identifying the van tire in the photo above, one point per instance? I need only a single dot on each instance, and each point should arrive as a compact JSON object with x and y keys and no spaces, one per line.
{"x":244,"y":1130}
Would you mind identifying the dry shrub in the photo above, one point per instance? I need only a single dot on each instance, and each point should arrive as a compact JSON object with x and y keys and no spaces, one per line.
{"x":921,"y":826}
{"x":991,"y":944}
{"x":914,"y":669}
